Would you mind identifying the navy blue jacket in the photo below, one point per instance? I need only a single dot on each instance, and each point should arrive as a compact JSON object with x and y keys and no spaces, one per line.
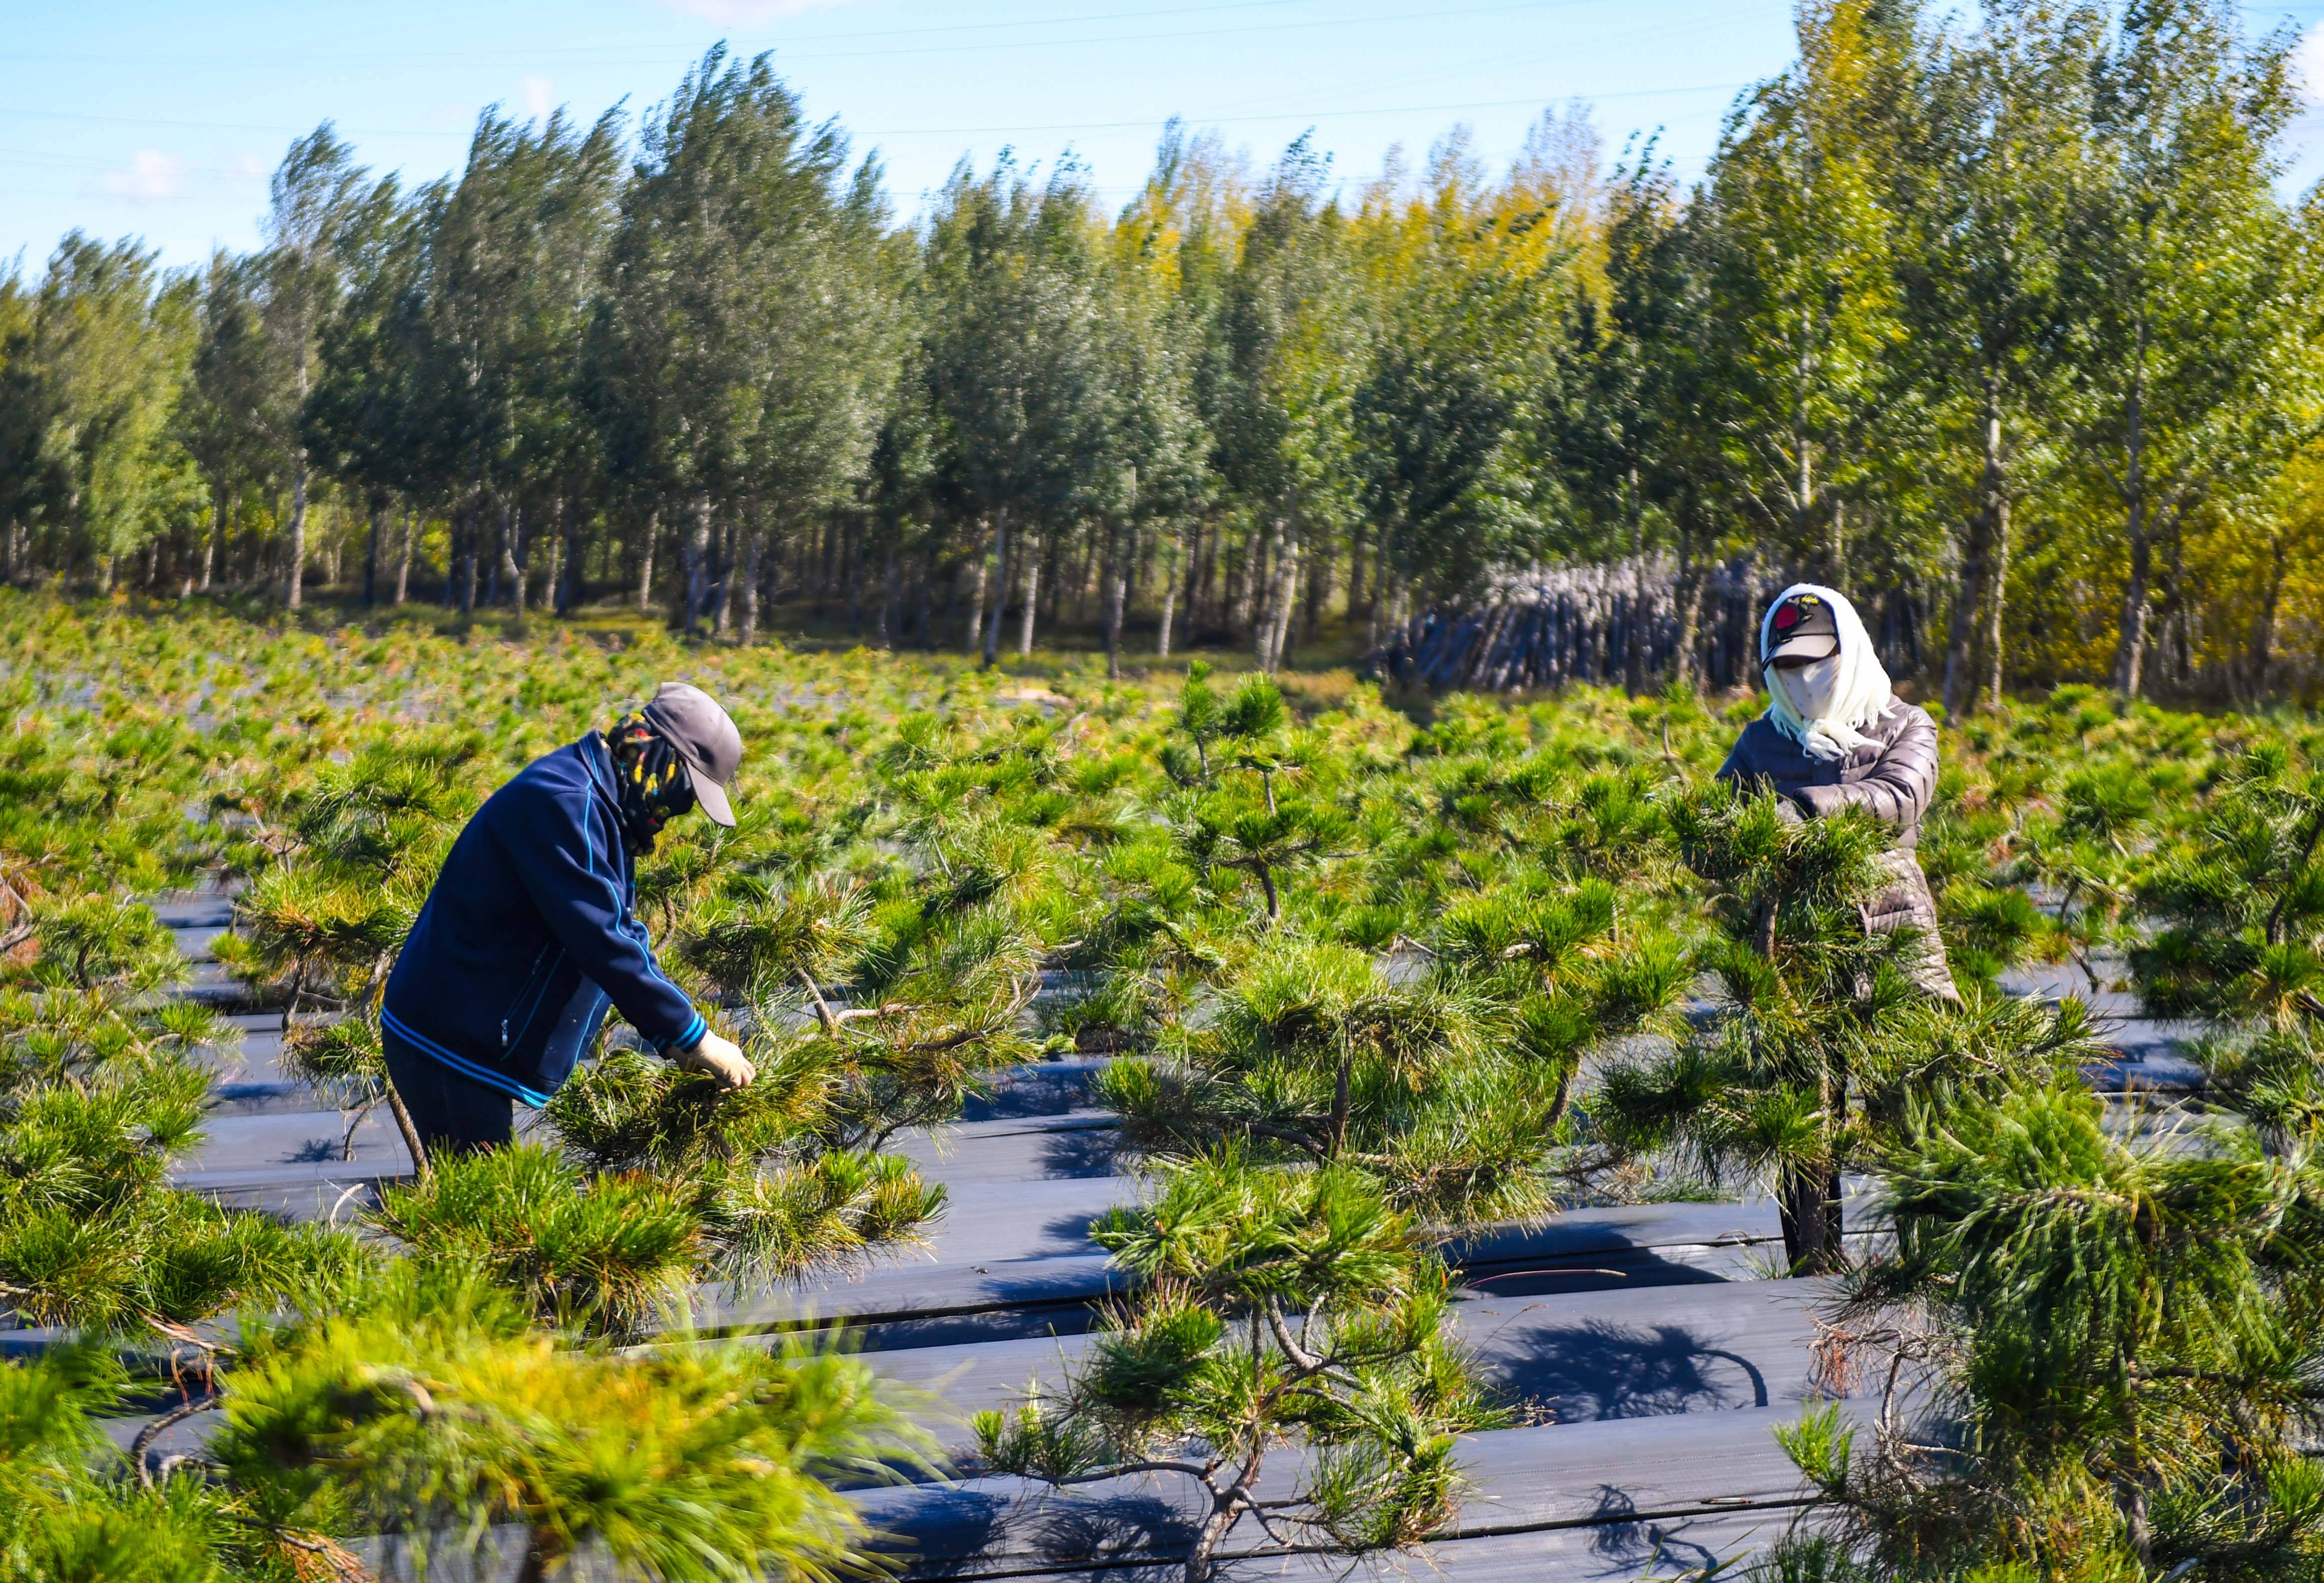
{"x":528,"y":931}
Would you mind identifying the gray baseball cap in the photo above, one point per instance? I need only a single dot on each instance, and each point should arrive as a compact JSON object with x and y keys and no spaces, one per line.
{"x":690,"y":721}
{"x":1803,"y":627}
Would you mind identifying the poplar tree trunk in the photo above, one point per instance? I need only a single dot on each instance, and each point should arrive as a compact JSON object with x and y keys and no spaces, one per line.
{"x":1195,"y":572}
{"x":1839,"y":545}
{"x":1117,"y":593}
{"x":512,"y":564}
{"x":1032,"y":559}
{"x":1634,"y":634}
{"x":1960,"y":686}
{"x":1243,"y":588}
{"x":371,"y":556}
{"x":999,"y":585}
{"x":646,"y":561}
{"x":293,"y":589}
{"x":2263,"y":635}
{"x":209,"y":548}
{"x":1169,"y":602}
{"x":698,"y":564}
{"x":751,"y":588}
{"x":1284,"y":597}
{"x":2130,"y":646}
{"x":888,"y":603}
{"x":468,"y":535}
{"x":2000,"y":596}
{"x":976,"y":603}
{"x":572,"y":563}
{"x":726,"y":559}
{"x":403,"y":564}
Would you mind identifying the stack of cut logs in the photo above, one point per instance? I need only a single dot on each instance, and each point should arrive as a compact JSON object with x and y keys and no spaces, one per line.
{"x":1562,"y":624}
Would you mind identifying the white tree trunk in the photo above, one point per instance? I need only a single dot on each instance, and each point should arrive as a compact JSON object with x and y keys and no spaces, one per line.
{"x":750,"y":588}
{"x":1169,"y":601}
{"x":294,"y":577}
{"x":999,"y":585}
{"x":1032,"y":556}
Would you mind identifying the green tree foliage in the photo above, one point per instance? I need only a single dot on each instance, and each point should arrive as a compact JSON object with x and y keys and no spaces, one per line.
{"x":744,"y":324}
{"x":1994,"y":315}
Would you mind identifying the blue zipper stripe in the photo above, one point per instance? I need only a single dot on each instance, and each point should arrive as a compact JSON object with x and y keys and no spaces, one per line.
{"x":457,"y":1062}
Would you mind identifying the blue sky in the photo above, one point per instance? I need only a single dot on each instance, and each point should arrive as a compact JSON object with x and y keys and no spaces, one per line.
{"x":161,"y":120}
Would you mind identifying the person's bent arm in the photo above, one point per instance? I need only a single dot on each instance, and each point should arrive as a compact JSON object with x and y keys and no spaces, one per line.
{"x":1738,"y":770}
{"x":575,"y":878}
{"x":1901,"y":785}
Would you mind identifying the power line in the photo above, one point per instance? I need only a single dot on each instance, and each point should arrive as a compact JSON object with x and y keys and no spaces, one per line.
{"x":562,"y":52}
{"x":1292,"y":115}
{"x":279,"y":129}
{"x":532,"y":57}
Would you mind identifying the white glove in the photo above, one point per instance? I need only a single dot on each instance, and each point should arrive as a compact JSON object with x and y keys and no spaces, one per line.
{"x":718,"y":1059}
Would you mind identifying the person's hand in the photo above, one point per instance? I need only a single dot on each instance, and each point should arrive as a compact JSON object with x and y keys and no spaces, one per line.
{"x":718,"y":1059}
{"x":1787,"y":812}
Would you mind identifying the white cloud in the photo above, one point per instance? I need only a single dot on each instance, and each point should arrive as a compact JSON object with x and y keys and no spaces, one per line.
{"x":2307,"y":61}
{"x":152,"y":175}
{"x":538,"y":97}
{"x":746,"y":13}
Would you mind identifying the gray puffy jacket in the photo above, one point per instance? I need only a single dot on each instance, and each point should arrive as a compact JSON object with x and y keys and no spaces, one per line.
{"x":1894,"y":777}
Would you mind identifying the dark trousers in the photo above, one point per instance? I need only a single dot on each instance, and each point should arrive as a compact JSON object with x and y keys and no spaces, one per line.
{"x":452,"y":1114}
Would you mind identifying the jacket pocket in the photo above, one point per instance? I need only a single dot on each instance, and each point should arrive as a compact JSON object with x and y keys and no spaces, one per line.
{"x":516,"y":1013}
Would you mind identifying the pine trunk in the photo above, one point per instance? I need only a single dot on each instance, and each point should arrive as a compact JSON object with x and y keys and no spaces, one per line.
{"x":1808,"y":1206}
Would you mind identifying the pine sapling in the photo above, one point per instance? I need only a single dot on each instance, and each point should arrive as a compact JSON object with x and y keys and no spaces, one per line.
{"x":1276,"y":1310}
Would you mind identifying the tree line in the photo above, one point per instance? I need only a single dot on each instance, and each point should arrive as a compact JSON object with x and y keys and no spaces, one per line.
{"x":2001,"y":316}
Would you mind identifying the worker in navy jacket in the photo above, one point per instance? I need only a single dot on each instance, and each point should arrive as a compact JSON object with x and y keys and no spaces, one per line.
{"x":529,"y":932}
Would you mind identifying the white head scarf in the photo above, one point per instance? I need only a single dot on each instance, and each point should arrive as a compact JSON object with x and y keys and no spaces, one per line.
{"x":1824,"y":707}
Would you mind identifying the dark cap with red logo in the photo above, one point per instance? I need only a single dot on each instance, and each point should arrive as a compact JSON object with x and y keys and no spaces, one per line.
{"x":1801,"y":627}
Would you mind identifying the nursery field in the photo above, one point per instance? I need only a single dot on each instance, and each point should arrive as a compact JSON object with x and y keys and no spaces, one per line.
{"x":1205,"y":1127}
